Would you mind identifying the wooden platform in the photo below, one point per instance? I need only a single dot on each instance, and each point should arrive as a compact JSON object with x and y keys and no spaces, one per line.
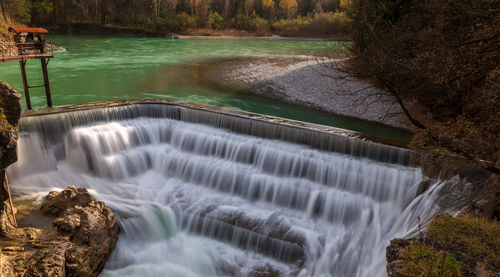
{"x":29,"y":44}
{"x":25,"y":57}
{"x":16,"y":51}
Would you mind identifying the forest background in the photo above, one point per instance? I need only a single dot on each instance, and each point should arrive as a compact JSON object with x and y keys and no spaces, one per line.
{"x":311,"y":18}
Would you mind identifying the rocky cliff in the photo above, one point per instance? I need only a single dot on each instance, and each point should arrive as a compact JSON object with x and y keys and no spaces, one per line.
{"x":10,"y":112}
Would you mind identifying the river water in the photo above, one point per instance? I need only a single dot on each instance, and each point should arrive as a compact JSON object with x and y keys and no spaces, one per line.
{"x":202,"y":194}
{"x":100,"y":68}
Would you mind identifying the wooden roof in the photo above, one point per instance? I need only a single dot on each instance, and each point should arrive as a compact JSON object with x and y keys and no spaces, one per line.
{"x":28,"y":30}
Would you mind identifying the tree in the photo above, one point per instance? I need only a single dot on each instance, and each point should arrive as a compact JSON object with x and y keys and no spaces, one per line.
{"x":249,"y":6}
{"x":4,"y":12}
{"x":268,"y":7}
{"x":156,"y":6}
{"x":442,"y":54}
{"x":215,"y":21}
{"x":345,"y":4}
{"x":289,"y":7}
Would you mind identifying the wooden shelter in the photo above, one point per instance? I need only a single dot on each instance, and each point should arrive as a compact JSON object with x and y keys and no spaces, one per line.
{"x":29,"y":44}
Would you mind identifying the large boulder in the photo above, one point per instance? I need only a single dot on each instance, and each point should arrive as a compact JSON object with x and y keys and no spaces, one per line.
{"x":86,"y":233}
{"x":10,"y":112}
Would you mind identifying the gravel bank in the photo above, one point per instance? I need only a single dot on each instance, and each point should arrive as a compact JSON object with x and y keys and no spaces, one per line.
{"x":308,"y":82}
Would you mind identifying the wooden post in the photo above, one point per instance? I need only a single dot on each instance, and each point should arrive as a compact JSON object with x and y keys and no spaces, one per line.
{"x":25,"y":83}
{"x":6,"y":180}
{"x":46,"y":82}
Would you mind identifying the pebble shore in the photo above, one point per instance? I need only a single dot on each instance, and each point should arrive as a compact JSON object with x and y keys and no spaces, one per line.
{"x":310,"y":82}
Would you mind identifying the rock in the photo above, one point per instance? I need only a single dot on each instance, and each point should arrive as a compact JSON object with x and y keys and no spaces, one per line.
{"x":51,"y":260}
{"x":424,"y":185}
{"x":67,"y":224}
{"x":10,"y":112}
{"x":265,"y":270}
{"x":86,"y":234}
{"x":12,"y":261}
{"x":57,"y":203}
{"x":395,"y":254}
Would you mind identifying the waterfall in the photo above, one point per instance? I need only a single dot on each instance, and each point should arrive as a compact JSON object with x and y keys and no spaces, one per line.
{"x":201,"y":193}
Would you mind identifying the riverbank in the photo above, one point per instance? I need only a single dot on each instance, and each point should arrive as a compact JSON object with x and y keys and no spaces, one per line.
{"x":191,"y":33}
{"x":310,"y":82}
{"x":249,"y":36}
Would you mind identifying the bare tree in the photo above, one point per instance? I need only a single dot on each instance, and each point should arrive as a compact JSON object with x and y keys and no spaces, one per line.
{"x":4,"y":12}
{"x":156,"y":5}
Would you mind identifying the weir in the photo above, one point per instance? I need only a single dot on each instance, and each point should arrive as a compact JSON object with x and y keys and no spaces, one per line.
{"x":201,"y":192}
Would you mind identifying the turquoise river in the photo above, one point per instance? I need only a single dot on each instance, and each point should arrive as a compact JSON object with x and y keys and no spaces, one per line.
{"x":99,"y":68}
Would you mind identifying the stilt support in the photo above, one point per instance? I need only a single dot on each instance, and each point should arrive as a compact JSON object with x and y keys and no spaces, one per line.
{"x":46,"y":81}
{"x":22,"y":63}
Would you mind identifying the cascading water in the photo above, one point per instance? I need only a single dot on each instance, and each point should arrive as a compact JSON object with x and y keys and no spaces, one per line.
{"x":206,"y":194}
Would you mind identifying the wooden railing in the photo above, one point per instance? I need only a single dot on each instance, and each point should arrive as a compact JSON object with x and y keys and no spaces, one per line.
{"x":11,"y":51}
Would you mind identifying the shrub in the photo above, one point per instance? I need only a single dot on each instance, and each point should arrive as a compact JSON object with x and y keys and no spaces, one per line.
{"x":41,"y":11}
{"x":290,"y":27}
{"x":185,"y":21}
{"x":215,"y":21}
{"x":243,"y":22}
{"x":321,"y":24}
{"x":261,"y":26}
{"x":329,"y":24}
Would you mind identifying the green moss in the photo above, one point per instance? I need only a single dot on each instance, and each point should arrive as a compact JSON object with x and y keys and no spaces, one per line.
{"x":476,"y":238}
{"x":422,"y":260}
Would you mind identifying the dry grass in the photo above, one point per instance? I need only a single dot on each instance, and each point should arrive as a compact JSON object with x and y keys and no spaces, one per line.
{"x":422,"y":260}
{"x":476,"y":238}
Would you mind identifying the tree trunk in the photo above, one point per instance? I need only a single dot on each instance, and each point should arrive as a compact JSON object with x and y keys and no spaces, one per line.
{"x":408,"y":115}
{"x":393,"y":91}
{"x":4,"y":12}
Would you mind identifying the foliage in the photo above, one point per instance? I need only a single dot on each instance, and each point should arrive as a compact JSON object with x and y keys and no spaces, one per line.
{"x":477,"y":237}
{"x":185,"y":21}
{"x":215,"y":21}
{"x":329,"y":23}
{"x":289,"y":7}
{"x":243,"y":22}
{"x":290,"y":26}
{"x":421,"y":260}
{"x":15,"y":11}
{"x":4,"y":31}
{"x":182,"y":15}
{"x":261,"y":26}
{"x":268,"y":4}
{"x":442,"y":55}
{"x":321,"y":24}
{"x":42,"y":10}
{"x":345,"y":4}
